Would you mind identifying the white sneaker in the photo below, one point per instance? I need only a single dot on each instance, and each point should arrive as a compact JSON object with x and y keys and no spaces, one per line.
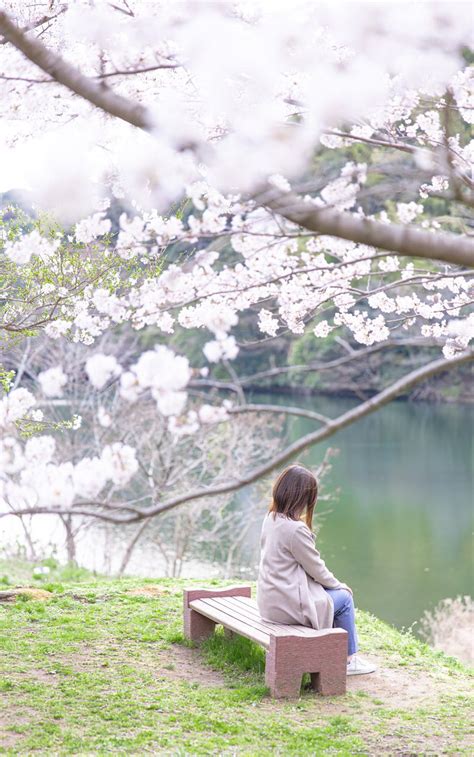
{"x":358,"y":667}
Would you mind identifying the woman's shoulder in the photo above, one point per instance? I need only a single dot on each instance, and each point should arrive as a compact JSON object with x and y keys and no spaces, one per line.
{"x":283,"y":522}
{"x":303,"y":530}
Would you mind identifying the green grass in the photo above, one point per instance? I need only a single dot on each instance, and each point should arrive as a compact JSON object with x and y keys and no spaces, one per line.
{"x":98,"y":670}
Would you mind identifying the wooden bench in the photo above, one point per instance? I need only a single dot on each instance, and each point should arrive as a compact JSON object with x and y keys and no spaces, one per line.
{"x":291,"y":651}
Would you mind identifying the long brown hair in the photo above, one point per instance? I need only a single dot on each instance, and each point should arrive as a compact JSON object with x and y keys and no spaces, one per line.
{"x":295,"y":492}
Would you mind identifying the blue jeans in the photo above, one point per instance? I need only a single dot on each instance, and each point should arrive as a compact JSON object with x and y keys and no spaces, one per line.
{"x":344,"y":616}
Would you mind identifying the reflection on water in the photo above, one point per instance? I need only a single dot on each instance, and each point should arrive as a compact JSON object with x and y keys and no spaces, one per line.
{"x":400,"y":532}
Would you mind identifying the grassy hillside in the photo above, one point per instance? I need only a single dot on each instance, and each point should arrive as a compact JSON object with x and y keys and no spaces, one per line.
{"x":101,"y":666}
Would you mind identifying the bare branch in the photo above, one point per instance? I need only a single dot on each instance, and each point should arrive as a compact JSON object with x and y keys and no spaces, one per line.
{"x":412,"y":149}
{"x":315,"y":366}
{"x":287,"y":410}
{"x":145,"y":70}
{"x":346,"y":419}
{"x":107,"y":75}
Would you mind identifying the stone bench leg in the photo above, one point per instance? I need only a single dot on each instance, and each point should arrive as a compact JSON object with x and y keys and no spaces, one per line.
{"x":283,"y":673}
{"x":196,"y":626}
{"x":324,"y":657}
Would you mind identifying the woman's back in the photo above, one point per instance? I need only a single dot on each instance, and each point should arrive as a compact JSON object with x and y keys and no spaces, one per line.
{"x":290,"y":566}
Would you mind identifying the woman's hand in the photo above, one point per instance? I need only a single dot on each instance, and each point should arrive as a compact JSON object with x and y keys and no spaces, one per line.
{"x":348,"y":588}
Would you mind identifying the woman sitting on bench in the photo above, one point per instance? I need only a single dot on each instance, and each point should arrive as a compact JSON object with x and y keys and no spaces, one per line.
{"x":294,"y":585}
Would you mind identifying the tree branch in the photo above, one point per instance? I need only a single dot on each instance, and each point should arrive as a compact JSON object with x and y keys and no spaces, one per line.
{"x":346,"y":419}
{"x":134,"y":71}
{"x":354,"y":356}
{"x":285,"y":409}
{"x":69,"y":76}
{"x":403,"y":240}
{"x":38,"y":22}
{"x":372,"y":141}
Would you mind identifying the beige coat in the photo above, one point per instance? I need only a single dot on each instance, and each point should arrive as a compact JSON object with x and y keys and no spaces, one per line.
{"x":292,"y":575}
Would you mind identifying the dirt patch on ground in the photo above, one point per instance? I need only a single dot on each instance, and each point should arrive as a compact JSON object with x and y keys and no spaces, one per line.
{"x":152,"y":592}
{"x":147,"y":591}
{"x":8,"y":739}
{"x":185,"y":664}
{"x":390,"y":687}
{"x":396,"y":687}
{"x":176,"y":662}
{"x":30,"y":592}
{"x":38,"y":674}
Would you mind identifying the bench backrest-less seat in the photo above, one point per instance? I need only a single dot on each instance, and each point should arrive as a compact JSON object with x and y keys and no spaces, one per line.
{"x":291,"y":651}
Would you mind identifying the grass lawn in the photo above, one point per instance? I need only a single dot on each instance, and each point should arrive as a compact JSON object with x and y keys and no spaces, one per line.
{"x":101,"y":667}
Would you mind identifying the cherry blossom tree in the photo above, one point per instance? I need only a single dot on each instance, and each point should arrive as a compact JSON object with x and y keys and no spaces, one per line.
{"x":208,"y":125}
{"x":116,"y":454}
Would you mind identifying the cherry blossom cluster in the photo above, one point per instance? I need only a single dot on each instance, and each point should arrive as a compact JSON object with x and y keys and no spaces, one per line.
{"x":29,"y":477}
{"x":16,"y":405}
{"x":283,"y":85}
{"x":289,"y":278}
{"x":159,"y":372}
{"x":251,"y":104}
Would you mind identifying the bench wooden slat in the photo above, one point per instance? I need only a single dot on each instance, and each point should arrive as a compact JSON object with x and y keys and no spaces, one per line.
{"x":230,"y":609}
{"x":252,"y":607}
{"x":287,"y":628}
{"x":242,"y":614}
{"x":256,"y":623}
{"x":252,"y":615}
{"x":221,"y":616}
